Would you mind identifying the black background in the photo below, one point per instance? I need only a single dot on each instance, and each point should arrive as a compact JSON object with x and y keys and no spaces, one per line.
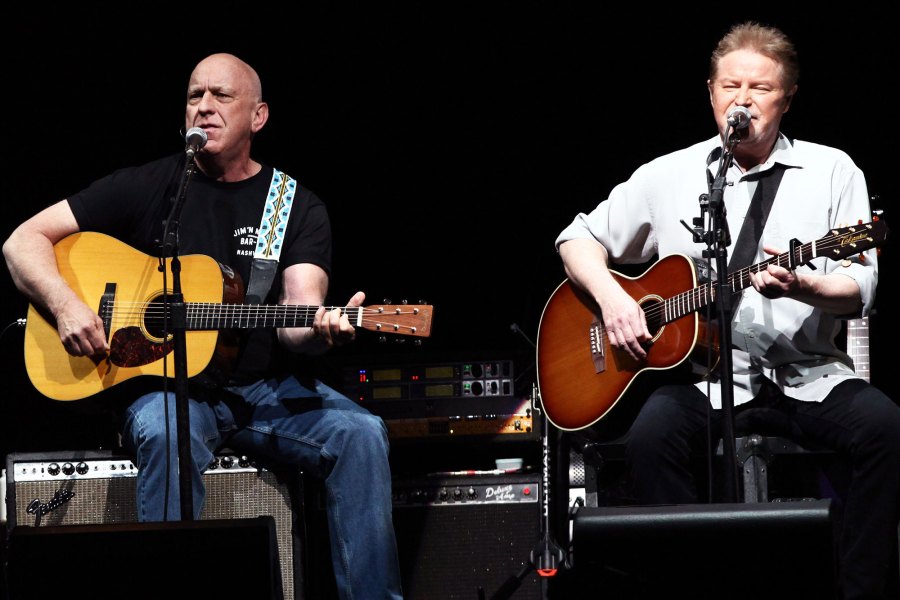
{"x":452,"y":142}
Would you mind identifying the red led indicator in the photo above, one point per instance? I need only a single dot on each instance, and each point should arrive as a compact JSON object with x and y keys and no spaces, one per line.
{"x":526,"y":491}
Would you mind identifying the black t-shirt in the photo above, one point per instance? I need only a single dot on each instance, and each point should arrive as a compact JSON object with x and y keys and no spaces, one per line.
{"x":219,"y":220}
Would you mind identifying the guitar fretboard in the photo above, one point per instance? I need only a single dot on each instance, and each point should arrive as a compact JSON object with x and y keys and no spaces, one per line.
{"x":858,"y":345}
{"x":838,"y":244}
{"x":692,"y":300}
{"x":209,"y":316}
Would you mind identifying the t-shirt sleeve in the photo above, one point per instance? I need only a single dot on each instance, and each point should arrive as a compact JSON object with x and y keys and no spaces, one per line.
{"x":310,"y":237}
{"x":124,"y":203}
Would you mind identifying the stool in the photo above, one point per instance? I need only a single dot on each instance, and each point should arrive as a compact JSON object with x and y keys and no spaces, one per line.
{"x":755,"y":453}
{"x":604,"y":470}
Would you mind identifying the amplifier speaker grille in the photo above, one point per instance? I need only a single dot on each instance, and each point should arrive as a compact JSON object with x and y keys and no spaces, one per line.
{"x":103,"y":493}
{"x":450,"y":548}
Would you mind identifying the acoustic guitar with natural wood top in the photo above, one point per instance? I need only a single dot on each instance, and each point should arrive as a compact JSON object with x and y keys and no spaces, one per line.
{"x":126,"y":287}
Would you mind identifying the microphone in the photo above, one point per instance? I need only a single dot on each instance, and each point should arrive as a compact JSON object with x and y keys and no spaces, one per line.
{"x":195,"y":139}
{"x":739,"y":117}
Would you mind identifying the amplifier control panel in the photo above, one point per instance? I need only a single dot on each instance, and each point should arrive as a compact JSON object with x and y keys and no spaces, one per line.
{"x":461,"y":399}
{"x":506,"y":489}
{"x":449,"y":380}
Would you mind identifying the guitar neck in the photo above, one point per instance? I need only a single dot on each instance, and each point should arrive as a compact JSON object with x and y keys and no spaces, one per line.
{"x":839,"y":243}
{"x":702,"y":295}
{"x":858,"y":345}
{"x":401,"y":319}
{"x":203,"y":316}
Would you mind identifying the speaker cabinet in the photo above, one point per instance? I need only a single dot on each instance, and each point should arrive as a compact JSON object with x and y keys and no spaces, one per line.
{"x":235,"y":558}
{"x":98,"y":488}
{"x":455,"y":535}
{"x":777,"y":550}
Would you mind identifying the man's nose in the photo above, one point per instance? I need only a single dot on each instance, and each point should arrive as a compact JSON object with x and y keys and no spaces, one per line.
{"x":743,"y":98}
{"x":206,"y":102}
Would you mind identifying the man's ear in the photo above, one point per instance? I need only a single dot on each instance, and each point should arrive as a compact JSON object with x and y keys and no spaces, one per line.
{"x":788,"y":98}
{"x":260,"y":117}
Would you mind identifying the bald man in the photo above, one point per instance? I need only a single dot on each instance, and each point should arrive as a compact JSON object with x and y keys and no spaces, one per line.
{"x":264,"y":404}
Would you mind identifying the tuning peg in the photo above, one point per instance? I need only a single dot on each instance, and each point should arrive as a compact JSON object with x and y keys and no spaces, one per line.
{"x":417,"y":343}
{"x":382,"y":339}
{"x":422,"y":301}
{"x":387,"y":301}
{"x":403,"y":302}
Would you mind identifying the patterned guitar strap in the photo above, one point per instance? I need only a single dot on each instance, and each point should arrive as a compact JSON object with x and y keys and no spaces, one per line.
{"x":272,"y":228}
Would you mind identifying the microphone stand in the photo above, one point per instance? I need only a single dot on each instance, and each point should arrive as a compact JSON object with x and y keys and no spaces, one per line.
{"x":176,"y":317}
{"x":547,"y":557}
{"x":717,"y":239}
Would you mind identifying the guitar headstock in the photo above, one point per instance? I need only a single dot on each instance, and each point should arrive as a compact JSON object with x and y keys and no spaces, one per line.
{"x":846,"y":241}
{"x":876,"y":216}
{"x":399,"y":319}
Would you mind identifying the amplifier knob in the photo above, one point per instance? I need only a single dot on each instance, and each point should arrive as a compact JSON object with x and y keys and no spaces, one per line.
{"x":53,"y":469}
{"x":472,"y":493}
{"x":443,"y":494}
{"x":68,"y":469}
{"x":227,"y":462}
{"x":82,"y":468}
{"x":457,"y":494}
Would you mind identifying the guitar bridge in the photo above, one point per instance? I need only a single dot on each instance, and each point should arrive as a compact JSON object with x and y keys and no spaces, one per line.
{"x":598,"y":348}
{"x":105,"y":311}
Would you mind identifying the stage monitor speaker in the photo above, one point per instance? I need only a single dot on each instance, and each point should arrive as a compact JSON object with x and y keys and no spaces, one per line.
{"x":98,"y":487}
{"x":778,"y":550}
{"x":455,"y":536}
{"x":235,"y":558}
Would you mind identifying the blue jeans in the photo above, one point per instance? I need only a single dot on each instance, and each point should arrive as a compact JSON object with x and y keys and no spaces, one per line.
{"x":310,"y":426}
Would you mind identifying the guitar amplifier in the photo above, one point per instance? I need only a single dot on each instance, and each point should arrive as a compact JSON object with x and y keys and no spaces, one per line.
{"x":96,"y":487}
{"x":457,"y":537}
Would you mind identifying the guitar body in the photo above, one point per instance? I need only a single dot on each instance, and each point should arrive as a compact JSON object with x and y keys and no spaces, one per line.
{"x":95,"y":264}
{"x":580,"y":376}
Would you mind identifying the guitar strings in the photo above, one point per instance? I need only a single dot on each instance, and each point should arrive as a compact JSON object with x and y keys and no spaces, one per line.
{"x":234,"y":314}
{"x":691,"y":300}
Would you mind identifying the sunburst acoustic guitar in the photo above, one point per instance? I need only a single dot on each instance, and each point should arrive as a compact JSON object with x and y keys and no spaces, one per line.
{"x":581,"y":377}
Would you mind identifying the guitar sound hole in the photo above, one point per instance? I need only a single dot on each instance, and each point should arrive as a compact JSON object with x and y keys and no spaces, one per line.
{"x":155,"y":321}
{"x":653,"y":311}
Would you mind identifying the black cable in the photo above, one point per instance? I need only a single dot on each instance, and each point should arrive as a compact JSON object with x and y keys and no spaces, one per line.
{"x":19,"y":322}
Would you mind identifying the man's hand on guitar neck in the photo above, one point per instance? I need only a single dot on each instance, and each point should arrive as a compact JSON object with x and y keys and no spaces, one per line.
{"x":775,"y":281}
{"x":334,"y":326}
{"x":833,"y":292}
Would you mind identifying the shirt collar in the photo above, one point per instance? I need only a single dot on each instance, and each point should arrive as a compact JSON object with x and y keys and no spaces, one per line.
{"x":783,"y":153}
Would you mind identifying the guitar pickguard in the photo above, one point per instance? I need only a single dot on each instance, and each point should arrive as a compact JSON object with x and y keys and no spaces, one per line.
{"x":131,"y":348}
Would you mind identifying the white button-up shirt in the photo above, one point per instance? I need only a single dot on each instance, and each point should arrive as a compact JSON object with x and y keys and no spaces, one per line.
{"x":786,"y":341}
